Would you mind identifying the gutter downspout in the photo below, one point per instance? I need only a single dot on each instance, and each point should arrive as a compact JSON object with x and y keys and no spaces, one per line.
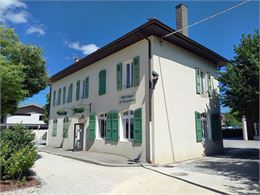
{"x":151,"y":134}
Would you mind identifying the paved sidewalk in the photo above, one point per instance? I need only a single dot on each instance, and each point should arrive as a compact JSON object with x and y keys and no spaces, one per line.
{"x":98,"y":158}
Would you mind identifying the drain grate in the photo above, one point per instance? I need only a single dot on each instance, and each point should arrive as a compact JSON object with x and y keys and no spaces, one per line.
{"x":179,"y":174}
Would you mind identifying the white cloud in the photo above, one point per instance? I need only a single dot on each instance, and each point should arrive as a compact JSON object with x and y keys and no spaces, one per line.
{"x":35,"y":29}
{"x":8,"y":11}
{"x":86,"y":49}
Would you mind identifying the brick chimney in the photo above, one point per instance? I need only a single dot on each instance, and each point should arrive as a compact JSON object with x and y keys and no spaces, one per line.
{"x":182,"y":18}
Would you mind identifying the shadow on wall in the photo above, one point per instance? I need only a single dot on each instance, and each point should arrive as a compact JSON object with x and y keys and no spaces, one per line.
{"x":213,"y":144}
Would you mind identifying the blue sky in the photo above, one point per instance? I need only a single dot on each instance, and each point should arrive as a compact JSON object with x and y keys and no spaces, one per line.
{"x":68,"y":29}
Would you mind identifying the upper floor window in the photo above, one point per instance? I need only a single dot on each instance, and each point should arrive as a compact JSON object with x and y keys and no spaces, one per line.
{"x":64,"y":95}
{"x":59,"y":97}
{"x":70,"y":92}
{"x":102,"y":125}
{"x":128,"y":124}
{"x":54,"y":98}
{"x":85,"y":88}
{"x":78,"y":90}
{"x":128,"y":74}
{"x":40,"y":118}
{"x":102,"y":82}
{"x":204,"y":82}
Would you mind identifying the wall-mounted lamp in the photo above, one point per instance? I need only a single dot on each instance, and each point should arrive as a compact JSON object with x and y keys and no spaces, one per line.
{"x":155,"y":78}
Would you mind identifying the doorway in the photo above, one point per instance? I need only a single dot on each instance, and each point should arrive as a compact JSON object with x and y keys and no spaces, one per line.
{"x":78,"y":136}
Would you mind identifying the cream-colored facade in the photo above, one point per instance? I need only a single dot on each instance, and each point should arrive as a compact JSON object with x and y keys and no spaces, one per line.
{"x":169,"y":134}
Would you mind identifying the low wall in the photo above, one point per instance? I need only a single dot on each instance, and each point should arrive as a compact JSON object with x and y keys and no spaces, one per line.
{"x":40,"y":135}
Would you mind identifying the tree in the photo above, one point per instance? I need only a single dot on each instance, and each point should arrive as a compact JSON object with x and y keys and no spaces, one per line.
{"x":232,"y":119}
{"x":46,"y":108}
{"x":240,"y":81}
{"x":22,"y":70}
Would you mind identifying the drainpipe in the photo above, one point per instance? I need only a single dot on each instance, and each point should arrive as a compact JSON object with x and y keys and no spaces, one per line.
{"x":151,"y":134}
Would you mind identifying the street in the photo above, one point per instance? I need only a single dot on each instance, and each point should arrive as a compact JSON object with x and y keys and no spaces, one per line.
{"x":236,"y":171}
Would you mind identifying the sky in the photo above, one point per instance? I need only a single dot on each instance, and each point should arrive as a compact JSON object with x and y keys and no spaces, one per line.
{"x":68,"y":29}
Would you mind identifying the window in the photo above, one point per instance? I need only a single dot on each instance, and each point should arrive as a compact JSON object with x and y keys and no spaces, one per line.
{"x":70,"y":92}
{"x":102,"y":125}
{"x":204,"y":82}
{"x":128,"y":124}
{"x":64,"y":95}
{"x":78,"y":90}
{"x":85,"y":88}
{"x":129,"y":75}
{"x":54,"y":98}
{"x":204,"y":124}
{"x":65,"y":127}
{"x":40,"y":118}
{"x":59,"y":97}
{"x":54,"y":128}
{"x":102,"y":82}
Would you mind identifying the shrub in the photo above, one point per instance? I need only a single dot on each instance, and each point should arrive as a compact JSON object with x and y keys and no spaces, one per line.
{"x":18,"y":152}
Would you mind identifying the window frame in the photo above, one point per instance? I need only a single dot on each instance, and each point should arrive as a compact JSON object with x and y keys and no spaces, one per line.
{"x":102,"y":117}
{"x":125,"y":74}
{"x":128,"y":115}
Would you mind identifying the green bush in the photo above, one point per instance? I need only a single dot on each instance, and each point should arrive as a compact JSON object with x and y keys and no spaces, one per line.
{"x":18,"y":152}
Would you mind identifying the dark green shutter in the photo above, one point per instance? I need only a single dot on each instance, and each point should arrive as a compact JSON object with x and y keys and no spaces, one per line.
{"x":92,"y":126}
{"x":109,"y":126}
{"x":54,"y":128}
{"x":70,"y":92}
{"x":87,"y":87}
{"x":64,"y":95}
{"x":54,"y":98}
{"x":65,"y":127}
{"x":78,"y":90}
{"x":119,"y":76}
{"x":216,"y":127}
{"x":136,"y":67}
{"x":138,"y":126}
{"x":59,"y":97}
{"x":197,"y":75}
{"x":115,"y":126}
{"x":102,"y":82}
{"x":83,"y":89}
{"x":198,"y":124}
{"x":210,"y":86}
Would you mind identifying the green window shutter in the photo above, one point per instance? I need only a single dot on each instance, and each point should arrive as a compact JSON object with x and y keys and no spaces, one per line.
{"x":83,"y":89}
{"x":54,"y":128}
{"x":216,"y":127}
{"x":54,"y":98}
{"x":197,"y":74}
{"x":198,"y":125}
{"x":65,"y":127}
{"x":138,"y":126}
{"x":136,"y":67}
{"x":115,"y":126}
{"x":64,"y":95}
{"x":109,"y":126}
{"x":77,"y":90}
{"x":92,"y":126}
{"x":86,"y":87}
{"x":119,"y":76}
{"x":210,"y":86}
{"x":70,"y":92}
{"x":102,"y":82}
{"x":59,"y":97}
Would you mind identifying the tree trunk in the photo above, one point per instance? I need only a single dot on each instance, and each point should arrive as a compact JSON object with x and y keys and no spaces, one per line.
{"x":250,"y":129}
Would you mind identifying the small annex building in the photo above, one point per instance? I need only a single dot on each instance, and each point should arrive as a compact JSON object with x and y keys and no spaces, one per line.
{"x":140,"y":96}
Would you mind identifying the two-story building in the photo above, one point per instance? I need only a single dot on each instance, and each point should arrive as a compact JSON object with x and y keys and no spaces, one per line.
{"x":142,"y":96}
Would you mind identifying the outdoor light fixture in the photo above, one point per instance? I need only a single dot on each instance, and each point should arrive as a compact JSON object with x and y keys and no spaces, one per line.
{"x":155,"y":78}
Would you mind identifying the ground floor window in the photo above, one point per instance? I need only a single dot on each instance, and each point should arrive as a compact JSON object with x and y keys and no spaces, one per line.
{"x":102,"y":125}
{"x":128,"y":124}
{"x":204,"y":124}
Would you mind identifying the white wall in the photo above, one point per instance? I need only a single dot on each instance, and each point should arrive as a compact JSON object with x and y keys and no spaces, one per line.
{"x":105,"y":103}
{"x":175,"y":101}
{"x":33,"y":119}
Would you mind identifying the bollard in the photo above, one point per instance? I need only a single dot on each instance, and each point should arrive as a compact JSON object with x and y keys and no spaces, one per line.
{"x":245,"y":137}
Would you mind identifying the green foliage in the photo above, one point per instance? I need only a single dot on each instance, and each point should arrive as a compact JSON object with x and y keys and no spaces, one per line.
{"x":18,"y":152}
{"x":46,"y":108}
{"x":241,"y":79}
{"x":232,"y":119}
{"x":22,"y":70}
